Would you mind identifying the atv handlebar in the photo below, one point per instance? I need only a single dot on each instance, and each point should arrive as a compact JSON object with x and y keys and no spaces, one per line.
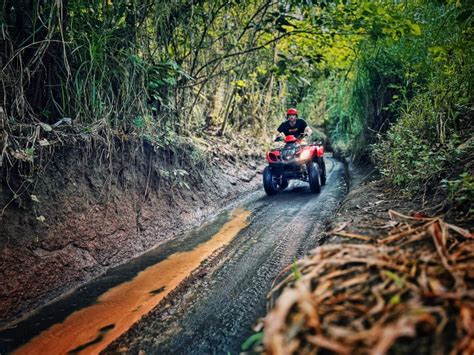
{"x":300,"y":136}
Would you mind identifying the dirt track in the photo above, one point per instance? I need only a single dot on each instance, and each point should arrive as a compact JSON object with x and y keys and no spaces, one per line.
{"x":206,"y":288}
{"x":213,"y":310}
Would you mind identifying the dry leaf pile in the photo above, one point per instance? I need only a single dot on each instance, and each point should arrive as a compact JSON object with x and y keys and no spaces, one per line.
{"x":411,"y":289}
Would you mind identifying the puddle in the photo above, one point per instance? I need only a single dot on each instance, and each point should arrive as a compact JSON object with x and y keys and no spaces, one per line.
{"x":90,"y":329}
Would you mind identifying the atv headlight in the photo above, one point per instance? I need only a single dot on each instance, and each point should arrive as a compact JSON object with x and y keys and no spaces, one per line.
{"x":305,"y":154}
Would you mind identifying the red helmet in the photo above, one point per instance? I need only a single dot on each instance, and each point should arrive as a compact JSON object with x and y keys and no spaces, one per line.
{"x":292,"y":111}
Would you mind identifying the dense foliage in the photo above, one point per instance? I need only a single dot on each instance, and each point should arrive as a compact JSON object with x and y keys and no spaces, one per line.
{"x":406,"y":100}
{"x":432,"y":138}
{"x":129,"y":64}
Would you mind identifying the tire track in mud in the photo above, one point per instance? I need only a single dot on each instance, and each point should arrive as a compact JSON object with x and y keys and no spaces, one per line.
{"x":213,"y":310}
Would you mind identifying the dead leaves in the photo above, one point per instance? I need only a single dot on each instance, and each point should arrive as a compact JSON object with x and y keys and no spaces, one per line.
{"x":363,"y":298}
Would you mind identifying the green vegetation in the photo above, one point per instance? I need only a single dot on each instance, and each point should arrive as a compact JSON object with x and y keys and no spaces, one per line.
{"x":407,"y":99}
{"x":252,"y":341}
{"x":432,"y":137}
{"x":382,"y":79}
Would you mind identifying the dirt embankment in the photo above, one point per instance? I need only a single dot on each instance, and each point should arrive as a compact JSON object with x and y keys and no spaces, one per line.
{"x":87,"y":213}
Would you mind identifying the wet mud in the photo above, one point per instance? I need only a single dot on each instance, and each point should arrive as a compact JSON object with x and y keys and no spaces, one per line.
{"x":197,"y":294}
{"x":91,"y":317}
{"x":94,"y":327}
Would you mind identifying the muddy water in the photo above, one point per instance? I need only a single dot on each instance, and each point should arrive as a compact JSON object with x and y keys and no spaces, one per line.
{"x":91,"y":329}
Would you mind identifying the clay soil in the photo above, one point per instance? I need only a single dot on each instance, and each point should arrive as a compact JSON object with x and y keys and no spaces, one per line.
{"x":87,"y":212}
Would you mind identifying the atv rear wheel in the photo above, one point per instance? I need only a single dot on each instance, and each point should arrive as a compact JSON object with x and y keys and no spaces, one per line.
{"x":314,"y":178}
{"x":269,"y":183}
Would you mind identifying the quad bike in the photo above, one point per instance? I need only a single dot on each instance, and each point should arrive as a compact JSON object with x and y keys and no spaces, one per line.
{"x":295,"y":160}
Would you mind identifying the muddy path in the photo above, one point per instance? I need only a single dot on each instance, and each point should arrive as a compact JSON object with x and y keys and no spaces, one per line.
{"x":198,"y":294}
{"x":213,"y":312}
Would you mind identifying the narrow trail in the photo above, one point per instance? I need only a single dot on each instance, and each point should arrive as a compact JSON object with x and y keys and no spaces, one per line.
{"x":198,"y":294}
{"x":214,"y":310}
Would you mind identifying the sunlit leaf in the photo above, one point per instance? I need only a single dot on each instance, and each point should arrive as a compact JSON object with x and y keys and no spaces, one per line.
{"x":415,"y":29}
{"x":254,"y":339}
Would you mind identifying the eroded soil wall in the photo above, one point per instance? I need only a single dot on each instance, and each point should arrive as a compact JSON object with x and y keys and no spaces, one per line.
{"x":90,"y":211}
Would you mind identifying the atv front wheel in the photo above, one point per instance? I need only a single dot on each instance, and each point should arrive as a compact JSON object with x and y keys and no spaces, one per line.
{"x":283,"y":185}
{"x":322,"y":165}
{"x":314,"y":178}
{"x":269,"y":182}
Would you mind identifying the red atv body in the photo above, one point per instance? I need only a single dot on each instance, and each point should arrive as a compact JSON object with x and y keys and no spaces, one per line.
{"x":295,"y":160}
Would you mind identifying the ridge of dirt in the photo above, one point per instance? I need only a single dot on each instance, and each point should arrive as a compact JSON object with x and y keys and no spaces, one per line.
{"x":369,"y":199}
{"x":88,"y":214}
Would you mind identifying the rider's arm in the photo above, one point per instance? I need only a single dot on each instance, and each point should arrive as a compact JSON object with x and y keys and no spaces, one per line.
{"x":278,"y":134}
{"x":307,"y":129}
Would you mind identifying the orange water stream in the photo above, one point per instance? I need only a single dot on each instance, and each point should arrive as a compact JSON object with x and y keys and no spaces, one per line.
{"x":91,"y":329}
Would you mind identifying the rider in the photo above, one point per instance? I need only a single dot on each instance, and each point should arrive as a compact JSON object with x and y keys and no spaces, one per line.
{"x":296,"y":126}
{"x":293,"y":125}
